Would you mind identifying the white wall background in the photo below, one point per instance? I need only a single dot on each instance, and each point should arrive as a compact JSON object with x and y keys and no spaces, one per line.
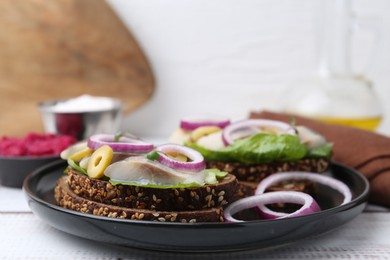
{"x":230,"y":57}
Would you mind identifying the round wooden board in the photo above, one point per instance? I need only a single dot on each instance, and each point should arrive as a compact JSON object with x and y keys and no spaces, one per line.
{"x":61,"y":49}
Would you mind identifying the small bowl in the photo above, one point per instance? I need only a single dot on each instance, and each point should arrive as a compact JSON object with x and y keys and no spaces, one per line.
{"x":79,"y":122}
{"x":13,"y":170}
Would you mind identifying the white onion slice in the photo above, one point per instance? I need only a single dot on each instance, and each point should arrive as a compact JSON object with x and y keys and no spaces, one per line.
{"x":245,"y":125}
{"x":309,"y":204}
{"x":315,"y":177}
{"x":125,"y":144}
{"x":190,"y":123}
{"x":309,"y":137}
{"x":195,"y":164}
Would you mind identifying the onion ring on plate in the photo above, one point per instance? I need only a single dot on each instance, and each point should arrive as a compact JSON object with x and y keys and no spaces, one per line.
{"x":316,"y":177}
{"x":196,"y":161}
{"x":190,"y":123}
{"x":247,"y":126}
{"x":309,"y":204}
{"x":125,"y":144}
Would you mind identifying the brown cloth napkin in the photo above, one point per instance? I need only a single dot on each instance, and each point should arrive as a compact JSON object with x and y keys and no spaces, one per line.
{"x":367,"y":152}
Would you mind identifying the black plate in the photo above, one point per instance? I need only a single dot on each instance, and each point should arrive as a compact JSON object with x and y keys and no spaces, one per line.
{"x":191,"y":237}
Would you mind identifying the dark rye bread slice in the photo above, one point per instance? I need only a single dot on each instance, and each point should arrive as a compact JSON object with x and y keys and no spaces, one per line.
{"x":66,"y":198}
{"x":257,"y":172}
{"x":177,"y":199}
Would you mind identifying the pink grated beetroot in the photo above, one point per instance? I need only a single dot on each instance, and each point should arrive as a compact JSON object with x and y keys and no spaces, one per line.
{"x":35,"y":145}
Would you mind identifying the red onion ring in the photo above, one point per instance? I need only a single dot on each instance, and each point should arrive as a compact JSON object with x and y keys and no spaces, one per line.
{"x":316,"y":177}
{"x":192,"y":122}
{"x":125,"y":144}
{"x":309,"y":204}
{"x":242,"y":125}
{"x":196,"y":164}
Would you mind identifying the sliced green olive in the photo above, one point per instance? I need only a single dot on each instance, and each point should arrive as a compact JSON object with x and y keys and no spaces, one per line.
{"x":99,"y":161}
{"x":78,"y":156}
{"x":202,"y":131}
{"x":177,"y":156}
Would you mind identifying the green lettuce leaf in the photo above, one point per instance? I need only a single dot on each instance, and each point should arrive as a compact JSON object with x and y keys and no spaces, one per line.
{"x":155,"y":186}
{"x":76,"y":167}
{"x":212,"y":176}
{"x":259,"y":148}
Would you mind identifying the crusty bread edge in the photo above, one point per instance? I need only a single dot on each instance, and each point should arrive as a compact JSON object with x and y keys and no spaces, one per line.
{"x":67,"y":199}
{"x":207,"y":196}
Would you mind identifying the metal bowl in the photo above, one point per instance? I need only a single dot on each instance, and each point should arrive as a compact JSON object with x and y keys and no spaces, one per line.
{"x":81,"y":123}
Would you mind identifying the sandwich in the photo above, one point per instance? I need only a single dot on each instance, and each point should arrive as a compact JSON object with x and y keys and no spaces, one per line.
{"x":124,"y":177}
{"x":256,"y":148}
